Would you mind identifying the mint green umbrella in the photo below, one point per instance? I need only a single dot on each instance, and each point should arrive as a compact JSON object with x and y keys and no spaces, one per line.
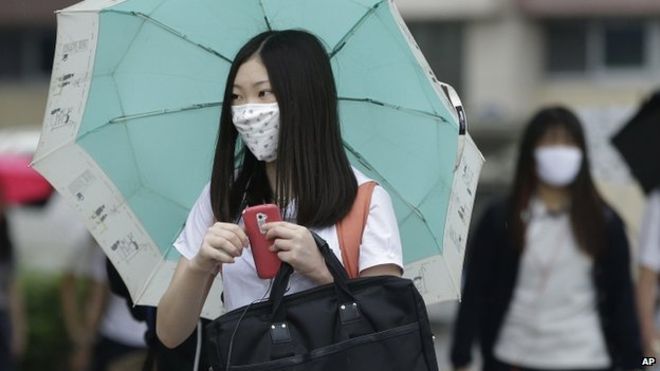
{"x":133,"y":110}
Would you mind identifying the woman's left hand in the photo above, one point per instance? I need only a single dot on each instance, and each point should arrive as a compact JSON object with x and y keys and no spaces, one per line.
{"x":295,"y":245}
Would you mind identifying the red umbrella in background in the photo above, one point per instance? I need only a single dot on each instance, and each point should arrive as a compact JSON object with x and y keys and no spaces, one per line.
{"x":19,"y":183}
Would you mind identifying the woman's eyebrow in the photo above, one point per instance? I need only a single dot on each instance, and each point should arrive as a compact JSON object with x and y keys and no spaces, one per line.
{"x":253,"y":85}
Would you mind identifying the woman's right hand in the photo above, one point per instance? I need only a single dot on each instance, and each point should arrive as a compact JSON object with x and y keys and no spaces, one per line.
{"x":222,"y":243}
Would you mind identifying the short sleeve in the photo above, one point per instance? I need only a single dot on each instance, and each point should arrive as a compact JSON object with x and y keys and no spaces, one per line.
{"x":381,"y":243}
{"x":649,"y":239}
{"x":199,"y":220}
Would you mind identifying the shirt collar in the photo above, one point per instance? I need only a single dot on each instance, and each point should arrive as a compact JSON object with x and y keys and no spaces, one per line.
{"x":538,"y":209}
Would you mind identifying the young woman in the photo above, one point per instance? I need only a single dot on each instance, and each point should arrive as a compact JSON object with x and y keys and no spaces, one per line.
{"x":281,"y":102}
{"x":548,"y":283}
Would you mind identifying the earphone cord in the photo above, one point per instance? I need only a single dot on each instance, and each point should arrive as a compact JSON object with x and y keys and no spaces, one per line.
{"x":231,"y":340}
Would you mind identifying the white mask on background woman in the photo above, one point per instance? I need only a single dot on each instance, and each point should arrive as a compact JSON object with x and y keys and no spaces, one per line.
{"x":258,"y":126}
{"x":558,"y":165}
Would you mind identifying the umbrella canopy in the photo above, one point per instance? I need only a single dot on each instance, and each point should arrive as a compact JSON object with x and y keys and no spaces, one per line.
{"x":19,"y":183}
{"x":638,"y":143}
{"x":133,"y":113}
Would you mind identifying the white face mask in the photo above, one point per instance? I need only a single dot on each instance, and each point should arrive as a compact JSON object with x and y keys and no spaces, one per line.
{"x":558,"y":165}
{"x":258,"y":125}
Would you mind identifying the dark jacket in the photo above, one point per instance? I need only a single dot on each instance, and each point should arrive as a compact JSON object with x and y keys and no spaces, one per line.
{"x":181,"y":358}
{"x":491,"y":276}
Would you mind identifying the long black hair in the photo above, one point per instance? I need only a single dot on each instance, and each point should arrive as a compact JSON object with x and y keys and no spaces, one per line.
{"x":312,"y":167}
{"x":586,"y":207}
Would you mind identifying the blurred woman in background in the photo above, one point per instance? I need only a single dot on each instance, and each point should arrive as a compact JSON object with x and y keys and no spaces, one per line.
{"x":548,"y":283}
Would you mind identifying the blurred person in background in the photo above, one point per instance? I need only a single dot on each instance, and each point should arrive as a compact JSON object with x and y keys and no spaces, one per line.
{"x":649,"y":273}
{"x":104,"y":335}
{"x":643,"y":131}
{"x":12,"y":316}
{"x":548,"y":283}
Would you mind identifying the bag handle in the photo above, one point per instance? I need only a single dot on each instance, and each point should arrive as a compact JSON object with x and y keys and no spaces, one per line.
{"x":281,"y":281}
{"x":353,"y":323}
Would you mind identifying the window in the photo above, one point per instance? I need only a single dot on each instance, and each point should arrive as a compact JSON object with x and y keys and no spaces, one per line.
{"x":10,"y":51}
{"x":47,"y":51}
{"x":596,"y":46}
{"x":566,"y":47}
{"x":26,"y":53}
{"x":624,"y":44}
{"x":442,"y":45}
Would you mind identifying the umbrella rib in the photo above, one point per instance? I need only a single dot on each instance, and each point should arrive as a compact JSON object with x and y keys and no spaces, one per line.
{"x":36,"y":161}
{"x":366,"y":164}
{"x":451,"y":277}
{"x":393,"y":106}
{"x":170,"y":200}
{"x":412,"y":207}
{"x":115,"y":85}
{"x":134,"y":157}
{"x":371,"y":168}
{"x":174,"y":32}
{"x":263,"y":10}
{"x":342,"y":42}
{"x":142,"y":115}
{"x":165,"y":111}
{"x":167,"y":252}
{"x":152,"y":275}
{"x":428,"y":194}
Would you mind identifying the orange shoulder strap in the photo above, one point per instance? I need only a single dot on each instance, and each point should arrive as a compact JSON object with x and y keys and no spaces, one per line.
{"x":351,"y":227}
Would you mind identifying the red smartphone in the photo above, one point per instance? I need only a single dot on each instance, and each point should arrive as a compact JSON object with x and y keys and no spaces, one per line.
{"x":254,"y":217}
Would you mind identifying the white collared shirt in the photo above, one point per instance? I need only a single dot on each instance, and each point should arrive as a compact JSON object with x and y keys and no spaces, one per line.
{"x":552,"y":321}
{"x":381,"y":244}
{"x":649,"y":237}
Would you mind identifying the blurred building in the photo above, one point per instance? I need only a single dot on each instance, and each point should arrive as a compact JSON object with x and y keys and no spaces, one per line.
{"x":507,"y":58}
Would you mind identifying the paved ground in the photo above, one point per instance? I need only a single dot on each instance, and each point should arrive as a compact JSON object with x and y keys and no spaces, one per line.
{"x":442,"y":320}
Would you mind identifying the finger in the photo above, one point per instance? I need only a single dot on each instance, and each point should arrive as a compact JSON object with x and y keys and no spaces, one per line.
{"x":231,"y":232}
{"x":232,"y":237}
{"x":220,"y":243}
{"x":240,"y":232}
{"x":285,"y":256}
{"x":281,"y":232}
{"x":234,"y":228}
{"x":281,"y":224}
{"x":282,"y":245}
{"x":220,"y":256}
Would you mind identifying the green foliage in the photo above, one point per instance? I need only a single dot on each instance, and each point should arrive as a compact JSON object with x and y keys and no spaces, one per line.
{"x":48,"y":344}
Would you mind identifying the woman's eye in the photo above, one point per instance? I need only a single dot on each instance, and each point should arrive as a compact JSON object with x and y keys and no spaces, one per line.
{"x":234,"y":97}
{"x":265,"y":93}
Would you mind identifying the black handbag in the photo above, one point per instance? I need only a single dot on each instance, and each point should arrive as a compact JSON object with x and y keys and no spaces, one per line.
{"x":372,"y":323}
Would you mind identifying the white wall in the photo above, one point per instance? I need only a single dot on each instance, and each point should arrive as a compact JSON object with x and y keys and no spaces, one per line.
{"x":503,"y":66}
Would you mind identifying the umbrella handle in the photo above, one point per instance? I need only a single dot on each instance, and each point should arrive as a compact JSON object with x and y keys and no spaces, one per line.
{"x":455,"y":101}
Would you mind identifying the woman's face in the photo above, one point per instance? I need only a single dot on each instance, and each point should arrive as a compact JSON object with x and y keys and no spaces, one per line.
{"x":252,"y":84}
